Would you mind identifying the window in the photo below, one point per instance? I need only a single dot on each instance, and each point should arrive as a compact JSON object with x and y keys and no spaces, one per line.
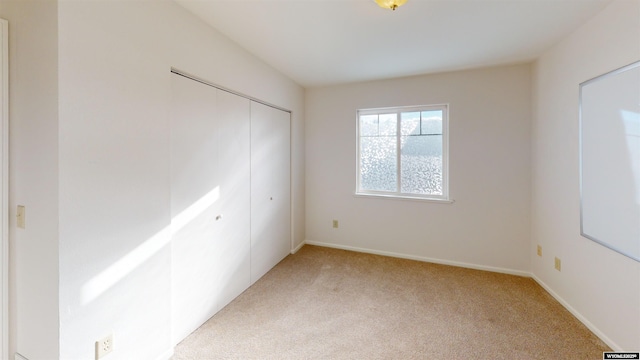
{"x":402,"y":152}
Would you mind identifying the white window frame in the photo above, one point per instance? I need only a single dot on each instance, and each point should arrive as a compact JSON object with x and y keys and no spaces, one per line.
{"x":398,"y":194}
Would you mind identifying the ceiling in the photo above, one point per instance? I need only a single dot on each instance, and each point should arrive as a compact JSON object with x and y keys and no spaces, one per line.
{"x":323,"y":42}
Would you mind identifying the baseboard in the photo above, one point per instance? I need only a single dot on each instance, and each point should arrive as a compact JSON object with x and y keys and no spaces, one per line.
{"x":166,"y":355}
{"x":422,"y":258}
{"x":297,"y":248}
{"x":579,"y":316}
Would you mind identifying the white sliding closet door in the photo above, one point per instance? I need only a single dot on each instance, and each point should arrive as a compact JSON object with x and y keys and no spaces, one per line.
{"x":235,"y":197}
{"x":195,"y":195}
{"x":270,"y":188}
{"x":210,"y":202}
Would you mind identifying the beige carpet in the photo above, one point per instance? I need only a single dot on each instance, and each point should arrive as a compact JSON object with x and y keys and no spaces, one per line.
{"x":325,"y":303}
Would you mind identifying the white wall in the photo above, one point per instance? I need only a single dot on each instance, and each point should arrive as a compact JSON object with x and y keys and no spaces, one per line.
{"x":94,"y":257}
{"x":600,"y":286}
{"x":33,"y":96}
{"x":115,"y":88}
{"x":486,"y":227}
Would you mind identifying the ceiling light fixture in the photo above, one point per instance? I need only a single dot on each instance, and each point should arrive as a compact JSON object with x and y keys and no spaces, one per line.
{"x":390,"y":4}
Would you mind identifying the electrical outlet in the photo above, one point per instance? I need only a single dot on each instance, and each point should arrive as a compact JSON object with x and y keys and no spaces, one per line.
{"x":335,"y":224}
{"x":539,"y":250}
{"x":104,"y":346}
{"x":558,"y":264}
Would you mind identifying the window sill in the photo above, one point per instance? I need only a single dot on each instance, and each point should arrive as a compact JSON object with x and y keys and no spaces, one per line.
{"x":404,"y":197}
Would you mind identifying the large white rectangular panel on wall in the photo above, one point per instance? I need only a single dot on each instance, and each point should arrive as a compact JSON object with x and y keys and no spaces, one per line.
{"x":270,"y":188}
{"x":610,"y":160}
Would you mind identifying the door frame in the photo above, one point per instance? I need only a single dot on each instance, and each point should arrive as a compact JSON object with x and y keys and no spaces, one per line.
{"x":4,"y":192}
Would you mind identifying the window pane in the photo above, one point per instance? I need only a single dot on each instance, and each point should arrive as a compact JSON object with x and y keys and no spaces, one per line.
{"x":410,"y":122}
{"x":388,"y":124}
{"x":431,"y":122}
{"x":369,"y":125}
{"x":378,"y":163}
{"x":401,"y":151}
{"x":421,"y":163}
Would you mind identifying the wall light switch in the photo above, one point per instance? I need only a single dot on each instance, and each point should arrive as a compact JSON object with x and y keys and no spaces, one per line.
{"x":558,"y":265}
{"x":20,"y":216}
{"x":539,"y":250}
{"x":335,"y":224}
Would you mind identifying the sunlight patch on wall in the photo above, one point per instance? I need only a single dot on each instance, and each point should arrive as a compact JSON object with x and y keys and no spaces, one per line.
{"x":109,"y":277}
{"x":124,"y":266}
{"x":187,"y":215}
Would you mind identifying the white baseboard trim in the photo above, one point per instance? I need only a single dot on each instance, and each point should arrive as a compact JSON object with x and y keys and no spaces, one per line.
{"x":421,"y":258}
{"x":579,"y":316}
{"x":166,"y":355}
{"x":297,"y":248}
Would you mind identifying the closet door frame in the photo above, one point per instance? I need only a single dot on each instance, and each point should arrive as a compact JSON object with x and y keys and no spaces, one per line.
{"x":225,"y":295}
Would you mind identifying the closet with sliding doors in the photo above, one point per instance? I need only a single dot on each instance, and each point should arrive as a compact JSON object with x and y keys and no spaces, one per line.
{"x":230,"y":197}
